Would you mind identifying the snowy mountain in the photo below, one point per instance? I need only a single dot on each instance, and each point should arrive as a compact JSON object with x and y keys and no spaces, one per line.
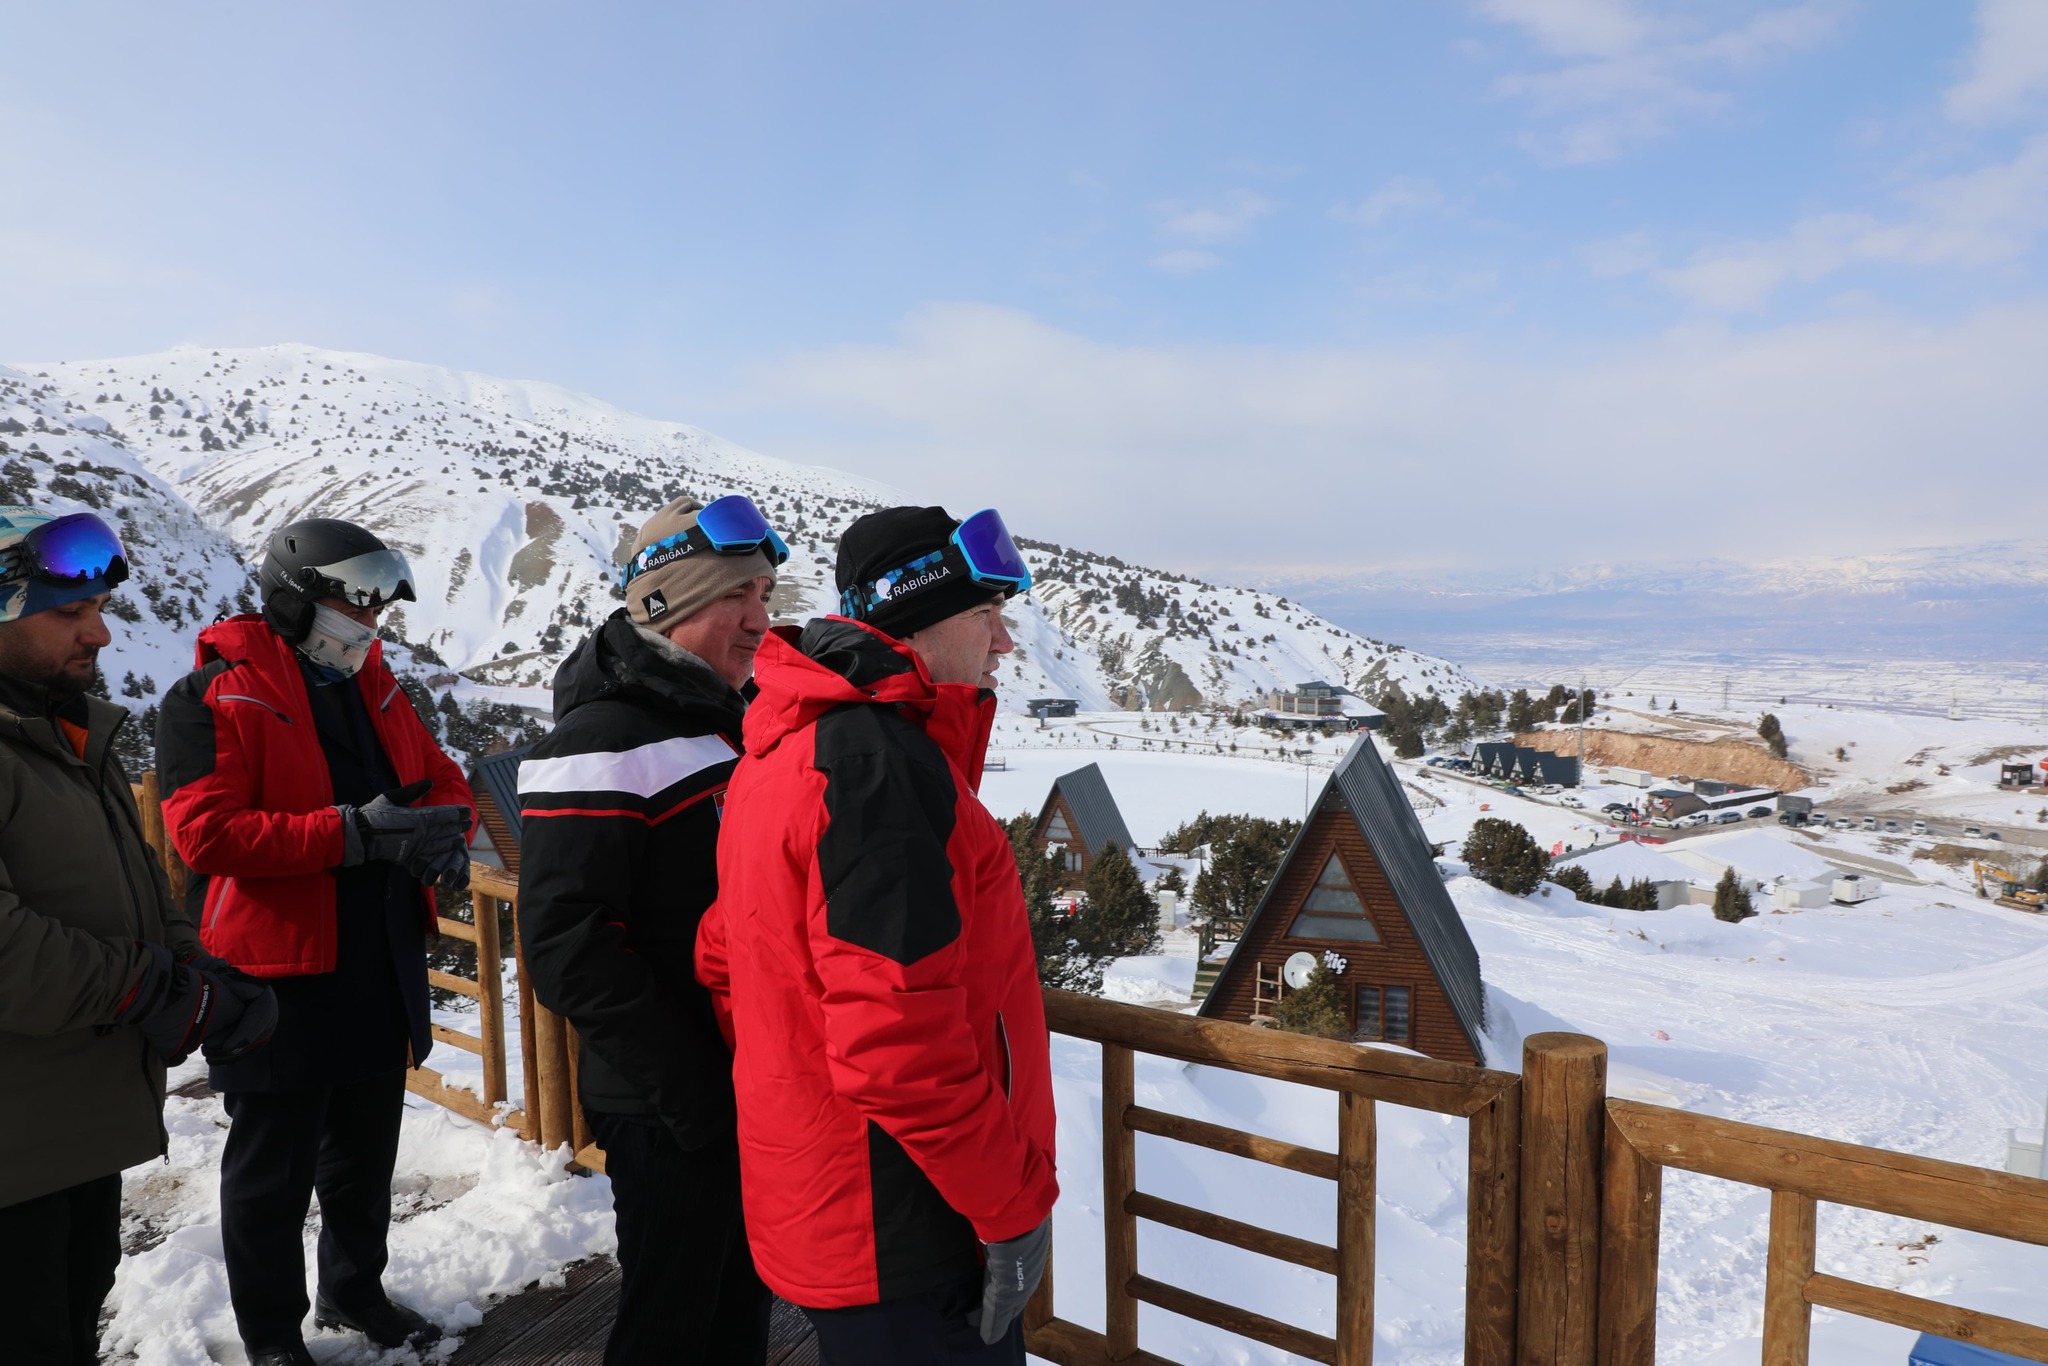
{"x":514,"y":498}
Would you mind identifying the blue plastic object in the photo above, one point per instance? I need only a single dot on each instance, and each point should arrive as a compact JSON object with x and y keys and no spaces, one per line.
{"x":1933,"y":1351}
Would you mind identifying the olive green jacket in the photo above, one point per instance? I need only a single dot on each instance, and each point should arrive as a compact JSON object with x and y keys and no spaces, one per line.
{"x":81,"y":1097}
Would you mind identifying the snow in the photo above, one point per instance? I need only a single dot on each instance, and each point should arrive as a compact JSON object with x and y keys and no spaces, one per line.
{"x":1761,"y":855}
{"x":477,"y":1213}
{"x":1630,"y":861}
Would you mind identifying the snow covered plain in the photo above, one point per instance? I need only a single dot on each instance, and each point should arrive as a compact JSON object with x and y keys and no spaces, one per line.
{"x":1917,"y":1022}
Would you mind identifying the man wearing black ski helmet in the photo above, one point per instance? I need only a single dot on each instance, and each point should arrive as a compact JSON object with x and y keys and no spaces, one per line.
{"x":317,"y":814}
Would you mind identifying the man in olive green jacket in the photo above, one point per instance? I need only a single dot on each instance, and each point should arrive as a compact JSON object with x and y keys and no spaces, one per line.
{"x":101,"y":976}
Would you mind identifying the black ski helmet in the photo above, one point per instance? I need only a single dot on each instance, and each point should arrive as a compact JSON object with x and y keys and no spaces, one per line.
{"x":320,"y":557}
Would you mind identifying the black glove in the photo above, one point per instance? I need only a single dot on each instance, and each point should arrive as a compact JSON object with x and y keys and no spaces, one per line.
{"x":446,"y":867}
{"x":252,"y":1022}
{"x":218,"y":967}
{"x":389,"y":828}
{"x":173,"y":1003}
{"x":1010,"y":1279}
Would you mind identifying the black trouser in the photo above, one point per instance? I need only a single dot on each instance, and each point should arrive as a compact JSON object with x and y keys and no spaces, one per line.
{"x":688,"y":1294}
{"x":57,"y":1258}
{"x":914,"y":1330}
{"x":283,"y":1146}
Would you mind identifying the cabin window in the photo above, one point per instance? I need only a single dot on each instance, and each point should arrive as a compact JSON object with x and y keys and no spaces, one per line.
{"x":1381,"y":1013}
{"x":1368,"y":1026}
{"x":1074,"y":857}
{"x":1333,"y":910}
{"x":1057,"y":830}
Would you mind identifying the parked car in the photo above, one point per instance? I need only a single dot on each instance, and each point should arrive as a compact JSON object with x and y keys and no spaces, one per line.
{"x":1819,"y":818}
{"x":1759,"y":813}
{"x":1617,"y":808}
{"x":1870,"y":822}
{"x":1844,"y":823}
{"x":1550,"y":789}
{"x":1698,"y":818}
{"x":1569,"y":800}
{"x":1891,"y":827}
{"x":1664,"y":822}
{"x":1513,"y":791}
{"x":1919,"y":827}
{"x":1727,"y":818}
{"x":1973,"y":832}
{"x":1791,"y":818}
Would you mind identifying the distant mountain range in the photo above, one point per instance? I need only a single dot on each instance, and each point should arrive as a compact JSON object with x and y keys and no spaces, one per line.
{"x":1979,"y":602}
{"x":513,"y":499}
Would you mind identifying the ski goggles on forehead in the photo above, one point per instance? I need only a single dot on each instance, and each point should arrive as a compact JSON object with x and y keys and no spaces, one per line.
{"x":373,"y":579}
{"x":981,"y":544}
{"x":75,"y":549}
{"x":731,"y":525}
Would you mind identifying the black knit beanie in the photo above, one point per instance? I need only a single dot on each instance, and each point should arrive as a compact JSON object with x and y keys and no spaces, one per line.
{"x":879,"y":545}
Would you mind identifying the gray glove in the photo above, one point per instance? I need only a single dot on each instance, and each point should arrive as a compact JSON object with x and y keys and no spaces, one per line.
{"x":390,"y":829}
{"x":1010,"y":1279}
{"x":444,"y":865}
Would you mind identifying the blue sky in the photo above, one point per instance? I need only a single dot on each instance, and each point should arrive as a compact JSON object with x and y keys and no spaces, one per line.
{"x":1301,"y":284}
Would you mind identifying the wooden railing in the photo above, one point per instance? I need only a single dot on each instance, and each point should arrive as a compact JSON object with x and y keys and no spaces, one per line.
{"x":1800,"y":1173}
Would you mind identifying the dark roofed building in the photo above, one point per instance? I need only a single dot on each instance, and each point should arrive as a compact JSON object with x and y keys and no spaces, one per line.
{"x":1082,"y":818}
{"x":495,"y":781}
{"x":1042,"y":707}
{"x":1360,"y":881}
{"x":1522,"y":764}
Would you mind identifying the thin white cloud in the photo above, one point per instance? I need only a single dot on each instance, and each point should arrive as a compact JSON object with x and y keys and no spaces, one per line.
{"x":1820,"y":437}
{"x":1625,"y":254}
{"x":2008,"y":73}
{"x":1629,"y":77}
{"x":1402,"y":193}
{"x":1983,"y":217}
{"x":1224,"y":219}
{"x":1186,"y":261}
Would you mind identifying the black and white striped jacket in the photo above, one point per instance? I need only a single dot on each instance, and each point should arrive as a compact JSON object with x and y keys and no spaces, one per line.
{"x":618,"y":862}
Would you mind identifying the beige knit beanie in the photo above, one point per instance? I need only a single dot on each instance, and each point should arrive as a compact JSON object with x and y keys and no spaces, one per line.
{"x":684,"y":576}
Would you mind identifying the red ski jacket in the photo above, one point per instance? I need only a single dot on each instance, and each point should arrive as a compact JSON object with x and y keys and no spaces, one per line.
{"x":871,"y":958}
{"x":253,"y":809}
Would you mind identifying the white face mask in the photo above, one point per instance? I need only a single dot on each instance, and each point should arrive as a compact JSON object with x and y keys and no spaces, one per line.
{"x":337,"y":643}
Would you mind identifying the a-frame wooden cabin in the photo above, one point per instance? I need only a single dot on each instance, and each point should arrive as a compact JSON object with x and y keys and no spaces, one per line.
{"x":1360,"y":881}
{"x":494,"y":780}
{"x":1082,"y":818}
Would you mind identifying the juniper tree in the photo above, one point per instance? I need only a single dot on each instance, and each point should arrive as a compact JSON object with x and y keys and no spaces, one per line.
{"x":1502,"y":854}
{"x":1731,"y":899}
{"x":1575,"y":880}
{"x":1061,"y":963}
{"x":1773,"y":734}
{"x":1316,"y":1008}
{"x":1120,"y":920}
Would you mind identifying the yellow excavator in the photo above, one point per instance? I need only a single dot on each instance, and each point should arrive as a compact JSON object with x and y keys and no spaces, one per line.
{"x":2011,"y":890}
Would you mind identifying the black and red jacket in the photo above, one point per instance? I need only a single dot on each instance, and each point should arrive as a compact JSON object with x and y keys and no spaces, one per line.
{"x":253,"y":809}
{"x":872,"y":958}
{"x":618,"y":860}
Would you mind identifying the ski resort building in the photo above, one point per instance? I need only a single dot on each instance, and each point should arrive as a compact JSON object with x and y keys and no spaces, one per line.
{"x":1080,"y":819}
{"x":1515,"y":763}
{"x":494,"y":780}
{"x":1321,"y":704}
{"x":1360,"y":884}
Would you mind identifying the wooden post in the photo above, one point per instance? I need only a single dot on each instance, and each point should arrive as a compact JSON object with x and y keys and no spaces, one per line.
{"x":1119,"y":1225}
{"x":1357,"y":1179}
{"x":579,"y":1127}
{"x":149,"y":801}
{"x":1038,"y":1310}
{"x":1631,"y":1210}
{"x":1564,"y":1086}
{"x":1492,"y":1209}
{"x":529,"y":1037}
{"x":490,"y":980}
{"x":1788,"y":1318}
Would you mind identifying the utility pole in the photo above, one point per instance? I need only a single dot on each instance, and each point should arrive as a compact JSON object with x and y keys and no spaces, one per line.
{"x":1584,"y":707}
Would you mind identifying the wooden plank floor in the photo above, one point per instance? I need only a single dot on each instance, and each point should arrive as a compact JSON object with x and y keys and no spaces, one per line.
{"x":566,"y":1325}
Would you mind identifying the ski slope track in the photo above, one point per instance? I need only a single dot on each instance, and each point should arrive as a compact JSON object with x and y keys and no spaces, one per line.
{"x":513,"y":499}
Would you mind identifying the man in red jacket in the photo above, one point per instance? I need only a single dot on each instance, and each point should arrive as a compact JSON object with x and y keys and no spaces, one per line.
{"x":871,"y":956}
{"x":315,"y":809}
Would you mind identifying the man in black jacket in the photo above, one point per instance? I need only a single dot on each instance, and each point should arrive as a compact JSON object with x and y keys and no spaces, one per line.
{"x":620,"y":808}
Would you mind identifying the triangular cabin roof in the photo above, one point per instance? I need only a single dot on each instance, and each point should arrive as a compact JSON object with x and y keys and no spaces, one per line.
{"x":1365,"y":789}
{"x":495,"y":781}
{"x":1099,"y":823}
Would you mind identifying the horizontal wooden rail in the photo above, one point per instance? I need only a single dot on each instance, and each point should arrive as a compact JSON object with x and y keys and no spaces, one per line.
{"x":1925,"y":1188}
{"x":428,"y":1084}
{"x":455,"y":1038}
{"x":1257,"y":1147}
{"x":455,"y":929}
{"x":448,"y":981}
{"x":1929,"y":1316}
{"x":1070,"y":1344}
{"x":1419,"y":1083}
{"x":1264,"y":1241}
{"x":485,"y":880}
{"x":1231,"y":1319}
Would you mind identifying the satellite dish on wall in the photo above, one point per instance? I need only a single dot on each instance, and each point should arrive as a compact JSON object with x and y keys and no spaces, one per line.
{"x":1297,"y":969}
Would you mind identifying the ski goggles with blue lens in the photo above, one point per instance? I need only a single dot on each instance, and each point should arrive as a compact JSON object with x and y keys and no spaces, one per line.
{"x":65,"y":551}
{"x":981,"y":544}
{"x":731,"y":525}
